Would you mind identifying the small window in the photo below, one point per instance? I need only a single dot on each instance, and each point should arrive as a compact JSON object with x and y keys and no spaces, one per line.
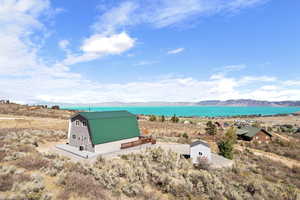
{"x":84,"y":138}
{"x":74,"y":136}
{"x":77,"y":122}
{"x":84,"y":123}
{"x":200,"y":153}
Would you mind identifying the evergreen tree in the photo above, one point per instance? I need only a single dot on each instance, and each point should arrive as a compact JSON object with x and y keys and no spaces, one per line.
{"x":211,"y":128}
{"x":231,"y":135}
{"x":162,"y":119}
{"x":175,"y":119}
{"x":226,"y":144}
{"x":226,"y":148}
{"x":152,"y":118}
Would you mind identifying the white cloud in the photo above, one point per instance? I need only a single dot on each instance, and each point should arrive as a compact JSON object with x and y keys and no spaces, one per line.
{"x":63,"y":44}
{"x":231,"y":68}
{"x":115,"y":18}
{"x":248,"y":79}
{"x":114,"y":44}
{"x":269,"y":87}
{"x":176,"y":51}
{"x":163,"y":13}
{"x":98,"y":46}
{"x":145,"y":62}
{"x":292,"y":83}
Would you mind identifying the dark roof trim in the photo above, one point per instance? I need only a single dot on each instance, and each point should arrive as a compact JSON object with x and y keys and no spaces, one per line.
{"x":95,"y":117}
{"x":266,"y":132}
{"x":199,"y":142}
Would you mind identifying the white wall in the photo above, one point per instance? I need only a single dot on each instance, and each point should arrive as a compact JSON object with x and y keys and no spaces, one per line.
{"x":112,"y":146}
{"x":69,"y":130}
{"x":200,"y":148}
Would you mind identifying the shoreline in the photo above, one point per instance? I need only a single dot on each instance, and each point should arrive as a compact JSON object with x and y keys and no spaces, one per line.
{"x":297,"y":113}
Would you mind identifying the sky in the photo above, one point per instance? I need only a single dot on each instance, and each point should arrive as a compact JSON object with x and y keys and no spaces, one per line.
{"x":76,"y":51}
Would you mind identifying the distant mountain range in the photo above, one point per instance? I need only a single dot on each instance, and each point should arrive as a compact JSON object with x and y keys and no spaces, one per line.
{"x":232,"y":102}
{"x":248,"y":102}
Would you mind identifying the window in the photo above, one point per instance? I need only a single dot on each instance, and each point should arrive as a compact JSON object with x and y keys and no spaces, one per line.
{"x":84,"y":138}
{"x":77,"y":122}
{"x":200,"y":153}
{"x":84,"y":123}
{"x":74,"y":136}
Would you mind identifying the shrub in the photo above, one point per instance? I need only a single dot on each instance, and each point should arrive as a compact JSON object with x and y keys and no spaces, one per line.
{"x":6,"y":182}
{"x":32,"y":162}
{"x":81,"y":185}
{"x":132,"y":189}
{"x":202,"y":163}
{"x":152,"y":118}
{"x":185,"y":135}
{"x":2,"y":155}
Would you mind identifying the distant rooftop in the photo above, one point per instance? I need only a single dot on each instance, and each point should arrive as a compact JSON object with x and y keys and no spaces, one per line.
{"x":250,"y":131}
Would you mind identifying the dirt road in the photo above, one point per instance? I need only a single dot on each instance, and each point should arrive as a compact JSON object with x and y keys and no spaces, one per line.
{"x":286,"y":161}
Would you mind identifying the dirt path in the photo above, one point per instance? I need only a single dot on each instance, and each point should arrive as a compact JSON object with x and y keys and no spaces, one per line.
{"x":281,"y":137}
{"x":272,"y":156}
{"x":49,"y":146}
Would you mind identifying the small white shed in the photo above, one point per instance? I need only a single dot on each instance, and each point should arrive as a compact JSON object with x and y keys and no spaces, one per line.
{"x":200,"y":149}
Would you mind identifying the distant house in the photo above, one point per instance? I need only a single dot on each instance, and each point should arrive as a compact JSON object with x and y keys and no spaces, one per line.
{"x":226,"y":124}
{"x":200,"y":149}
{"x":253,"y":134}
{"x":102,"y":131}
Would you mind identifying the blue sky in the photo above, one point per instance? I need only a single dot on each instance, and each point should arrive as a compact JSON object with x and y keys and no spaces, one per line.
{"x":92,"y":51}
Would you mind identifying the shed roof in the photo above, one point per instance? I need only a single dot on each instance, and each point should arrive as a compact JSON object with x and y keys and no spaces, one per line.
{"x":199,"y":142}
{"x":111,"y":126}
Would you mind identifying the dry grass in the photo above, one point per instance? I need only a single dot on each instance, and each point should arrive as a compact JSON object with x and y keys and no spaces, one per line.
{"x":23,"y":110}
{"x":289,"y":149}
{"x":37,"y":123}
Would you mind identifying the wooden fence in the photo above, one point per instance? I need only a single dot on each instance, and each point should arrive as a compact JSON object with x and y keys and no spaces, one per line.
{"x":140,"y":141}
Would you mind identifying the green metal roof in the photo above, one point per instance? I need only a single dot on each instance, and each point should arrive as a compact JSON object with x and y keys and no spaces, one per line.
{"x":111,"y":126}
{"x":248,"y":131}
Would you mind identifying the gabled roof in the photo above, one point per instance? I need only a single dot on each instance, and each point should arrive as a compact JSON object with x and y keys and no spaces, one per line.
{"x":250,"y":131}
{"x":105,"y":114}
{"x":199,"y":142}
{"x":110,"y":126}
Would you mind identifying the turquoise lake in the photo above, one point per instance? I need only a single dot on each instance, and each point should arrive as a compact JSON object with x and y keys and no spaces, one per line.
{"x":201,"y":111}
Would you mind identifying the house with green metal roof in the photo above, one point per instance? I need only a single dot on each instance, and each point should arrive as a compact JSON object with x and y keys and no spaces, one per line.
{"x":102,"y":131}
{"x":254,"y":134}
